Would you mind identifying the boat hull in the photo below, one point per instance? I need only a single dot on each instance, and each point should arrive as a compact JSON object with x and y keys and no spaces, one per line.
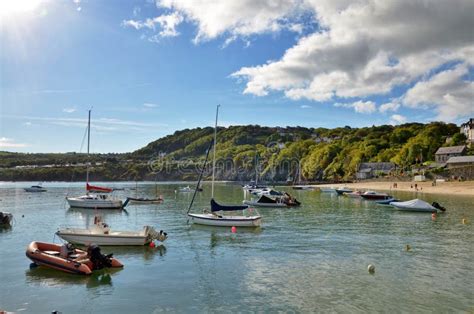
{"x":103,"y":239}
{"x":34,"y":190}
{"x":375,"y":196}
{"x":94,"y":204}
{"x":257,"y":204}
{"x":225,"y":221}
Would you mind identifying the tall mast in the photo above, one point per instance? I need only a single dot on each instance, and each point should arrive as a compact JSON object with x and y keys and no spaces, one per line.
{"x":214,"y":152}
{"x":88,"y":144}
{"x":256,"y":167}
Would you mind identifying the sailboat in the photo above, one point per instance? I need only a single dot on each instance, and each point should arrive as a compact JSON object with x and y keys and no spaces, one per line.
{"x":254,"y":187}
{"x":96,"y":197}
{"x":300,"y":186}
{"x":216,"y":216}
{"x":144,"y":200}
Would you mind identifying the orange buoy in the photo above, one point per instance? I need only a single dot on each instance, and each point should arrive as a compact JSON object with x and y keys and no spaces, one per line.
{"x":433,"y":216}
{"x":233,"y":229}
{"x":152,"y":244}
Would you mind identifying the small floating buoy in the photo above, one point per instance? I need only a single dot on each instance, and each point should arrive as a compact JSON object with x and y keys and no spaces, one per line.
{"x":464,"y":221}
{"x":22,"y":216}
{"x":233,"y":229}
{"x":152,"y":244}
{"x":433,"y":216}
{"x":371,"y":268}
{"x":407,"y":247}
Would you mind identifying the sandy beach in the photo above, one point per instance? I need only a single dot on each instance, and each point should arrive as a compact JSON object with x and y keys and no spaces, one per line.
{"x":453,"y":188}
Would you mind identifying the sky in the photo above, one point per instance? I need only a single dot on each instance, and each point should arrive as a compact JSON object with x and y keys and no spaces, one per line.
{"x":148,"y":68}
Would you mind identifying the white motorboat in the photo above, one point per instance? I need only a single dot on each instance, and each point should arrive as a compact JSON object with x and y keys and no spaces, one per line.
{"x":96,"y":197}
{"x":101,"y":234}
{"x":216,"y":217}
{"x":35,"y":188}
{"x":265,"y":201}
{"x":418,"y":205}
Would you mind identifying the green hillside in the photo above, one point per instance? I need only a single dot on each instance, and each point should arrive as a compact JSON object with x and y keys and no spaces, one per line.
{"x":322,"y":154}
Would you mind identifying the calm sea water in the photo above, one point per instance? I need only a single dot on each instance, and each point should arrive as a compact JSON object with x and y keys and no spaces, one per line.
{"x":308,"y":259}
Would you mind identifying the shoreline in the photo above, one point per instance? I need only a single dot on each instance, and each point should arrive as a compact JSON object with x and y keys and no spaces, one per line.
{"x":465,"y":188}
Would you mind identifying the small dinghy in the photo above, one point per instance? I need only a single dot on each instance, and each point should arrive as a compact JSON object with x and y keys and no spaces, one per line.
{"x":418,"y":205}
{"x":69,"y":259}
{"x":101,"y":234}
{"x":5,"y":219}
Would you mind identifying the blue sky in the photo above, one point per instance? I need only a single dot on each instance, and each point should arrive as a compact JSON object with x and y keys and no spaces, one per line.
{"x":150,"y":68}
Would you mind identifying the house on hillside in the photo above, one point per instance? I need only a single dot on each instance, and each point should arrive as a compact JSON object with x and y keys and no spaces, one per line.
{"x":369,"y":170}
{"x":468,"y":130}
{"x":460,"y":161}
{"x":444,"y":153}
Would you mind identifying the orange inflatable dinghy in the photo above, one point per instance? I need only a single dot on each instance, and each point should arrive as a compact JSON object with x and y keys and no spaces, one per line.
{"x":75,"y":261}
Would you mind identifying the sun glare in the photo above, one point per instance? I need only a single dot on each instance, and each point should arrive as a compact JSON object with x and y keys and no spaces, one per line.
{"x":16,"y":7}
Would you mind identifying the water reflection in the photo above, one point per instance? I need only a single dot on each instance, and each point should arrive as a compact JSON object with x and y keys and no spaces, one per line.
{"x":52,"y":278}
{"x":5,"y":228}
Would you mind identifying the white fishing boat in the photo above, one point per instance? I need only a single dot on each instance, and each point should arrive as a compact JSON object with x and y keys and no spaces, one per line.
{"x":96,"y":197}
{"x":216,"y":216}
{"x":268,"y":192}
{"x":35,"y":188}
{"x":101,"y":234}
{"x":418,"y":205}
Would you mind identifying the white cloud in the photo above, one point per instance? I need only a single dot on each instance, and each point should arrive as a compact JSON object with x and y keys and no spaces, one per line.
{"x":237,"y":17}
{"x":69,"y":110}
{"x":397,"y":119}
{"x":150,"y":105}
{"x":305,"y":106}
{"x":360,"y":106}
{"x":367,"y":48}
{"x":447,"y":91}
{"x":165,"y":23}
{"x":391,"y":106}
{"x":10,"y":143}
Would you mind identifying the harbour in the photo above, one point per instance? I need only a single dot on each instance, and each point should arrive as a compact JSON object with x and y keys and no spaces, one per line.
{"x":300,"y":259}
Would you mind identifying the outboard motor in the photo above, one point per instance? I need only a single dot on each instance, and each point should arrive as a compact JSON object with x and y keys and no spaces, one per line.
{"x":98,"y":259}
{"x":438,"y":206}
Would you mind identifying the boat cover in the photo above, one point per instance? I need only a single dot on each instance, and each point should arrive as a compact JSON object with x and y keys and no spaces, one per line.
{"x":215,"y":207}
{"x":266,"y":200}
{"x":92,"y":188}
{"x":414,"y":204}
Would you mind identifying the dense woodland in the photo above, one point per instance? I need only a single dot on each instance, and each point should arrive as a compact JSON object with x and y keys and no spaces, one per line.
{"x":320,"y":154}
